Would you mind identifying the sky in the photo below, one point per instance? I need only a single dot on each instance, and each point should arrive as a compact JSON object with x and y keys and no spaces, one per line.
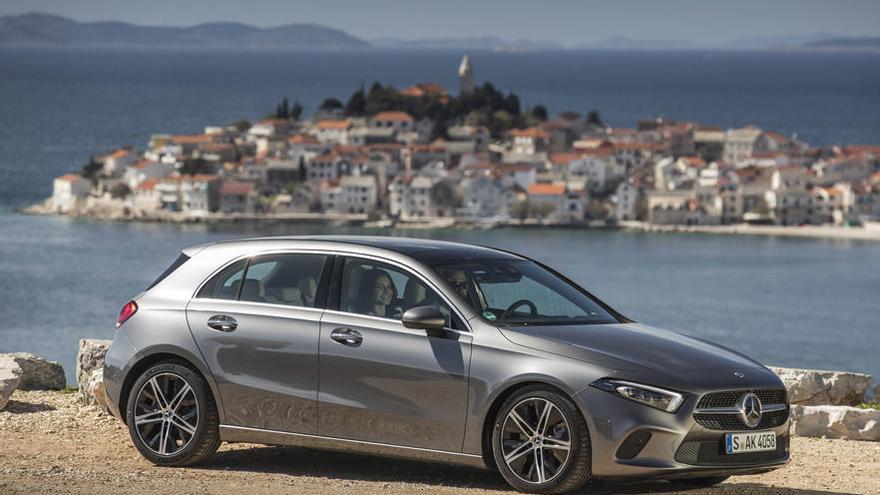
{"x":702,"y":22}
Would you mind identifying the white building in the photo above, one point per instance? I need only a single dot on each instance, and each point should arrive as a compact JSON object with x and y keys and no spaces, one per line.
{"x":145,"y":170}
{"x":69,"y":192}
{"x":116,"y":162}
{"x":332,"y":131}
{"x":399,"y":121}
{"x":628,"y":195}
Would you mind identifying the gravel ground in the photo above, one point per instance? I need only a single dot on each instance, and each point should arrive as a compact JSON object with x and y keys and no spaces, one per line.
{"x":49,"y":444}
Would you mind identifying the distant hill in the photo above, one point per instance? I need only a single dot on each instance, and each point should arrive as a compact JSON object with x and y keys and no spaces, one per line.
{"x":52,"y":30}
{"x":490,"y":43}
{"x":845,"y":44}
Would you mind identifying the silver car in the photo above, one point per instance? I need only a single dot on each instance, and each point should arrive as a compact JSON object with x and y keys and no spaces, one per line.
{"x":435,"y":350}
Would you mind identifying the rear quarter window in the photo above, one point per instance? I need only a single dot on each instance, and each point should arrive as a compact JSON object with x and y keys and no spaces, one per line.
{"x":168,"y":271}
{"x":226,"y":284}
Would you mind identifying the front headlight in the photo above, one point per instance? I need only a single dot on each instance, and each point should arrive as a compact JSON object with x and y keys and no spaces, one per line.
{"x":665,"y":400}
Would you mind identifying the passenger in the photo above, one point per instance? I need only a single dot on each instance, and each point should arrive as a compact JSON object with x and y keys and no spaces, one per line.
{"x":380,"y":292}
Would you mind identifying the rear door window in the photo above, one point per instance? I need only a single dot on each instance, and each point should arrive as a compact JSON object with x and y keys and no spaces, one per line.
{"x":290,"y":279}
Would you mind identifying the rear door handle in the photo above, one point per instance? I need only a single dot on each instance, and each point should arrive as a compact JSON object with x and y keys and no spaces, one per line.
{"x":224,"y":323}
{"x":347,"y":336}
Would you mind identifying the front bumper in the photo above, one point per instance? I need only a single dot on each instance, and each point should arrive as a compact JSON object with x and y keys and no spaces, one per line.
{"x":678,"y":447}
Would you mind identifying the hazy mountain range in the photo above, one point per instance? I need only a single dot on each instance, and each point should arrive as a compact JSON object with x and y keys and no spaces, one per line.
{"x":37,"y":29}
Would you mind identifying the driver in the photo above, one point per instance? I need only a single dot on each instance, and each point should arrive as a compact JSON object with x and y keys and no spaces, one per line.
{"x":459,"y":282}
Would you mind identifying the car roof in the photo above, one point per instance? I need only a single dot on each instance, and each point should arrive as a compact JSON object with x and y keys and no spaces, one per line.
{"x":423,"y":250}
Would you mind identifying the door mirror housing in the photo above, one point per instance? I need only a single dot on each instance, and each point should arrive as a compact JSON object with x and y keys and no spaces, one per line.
{"x":424,"y":318}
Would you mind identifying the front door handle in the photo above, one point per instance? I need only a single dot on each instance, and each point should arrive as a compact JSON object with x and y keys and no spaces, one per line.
{"x":347,"y":336}
{"x":224,"y":323}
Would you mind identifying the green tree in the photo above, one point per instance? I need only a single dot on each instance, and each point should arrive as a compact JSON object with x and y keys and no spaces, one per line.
{"x":285,"y":109}
{"x":242,"y":125}
{"x":195,"y":166}
{"x":539,"y":112}
{"x":331,"y":105}
{"x":119,"y":190}
{"x":296,"y":110}
{"x":594,"y":119}
{"x":91,"y":169}
{"x":357,"y":103}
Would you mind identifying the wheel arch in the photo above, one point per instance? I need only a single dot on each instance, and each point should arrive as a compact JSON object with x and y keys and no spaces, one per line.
{"x":155,"y":355}
{"x":498,"y":400}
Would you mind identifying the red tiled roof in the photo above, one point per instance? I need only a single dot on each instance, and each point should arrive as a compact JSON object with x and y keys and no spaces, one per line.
{"x":303,"y":139}
{"x":334,"y":124}
{"x":70,"y":177}
{"x":236,"y":187}
{"x":147,"y":185}
{"x":190,"y":138}
{"x":563,"y":158}
{"x":546,"y":189}
{"x":423,"y":89}
{"x":393,"y":117}
{"x":531,"y":132}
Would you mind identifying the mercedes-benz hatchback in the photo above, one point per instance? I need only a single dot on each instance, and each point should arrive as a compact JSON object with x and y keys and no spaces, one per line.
{"x":434,"y":350}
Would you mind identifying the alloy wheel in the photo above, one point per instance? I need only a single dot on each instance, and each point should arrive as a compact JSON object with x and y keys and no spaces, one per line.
{"x":535,"y":440}
{"x":166,"y":413}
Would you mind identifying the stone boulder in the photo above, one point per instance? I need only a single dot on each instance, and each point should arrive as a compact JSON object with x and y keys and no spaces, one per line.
{"x":847,"y":422}
{"x":89,"y":360}
{"x":9,"y":377}
{"x":38,"y":373}
{"x":95,"y":393}
{"x":818,"y":387}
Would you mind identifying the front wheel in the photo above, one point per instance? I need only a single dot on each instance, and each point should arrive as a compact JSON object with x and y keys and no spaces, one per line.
{"x":171,"y":415}
{"x":540,"y":442}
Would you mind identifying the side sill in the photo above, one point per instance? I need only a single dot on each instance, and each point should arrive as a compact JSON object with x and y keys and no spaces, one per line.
{"x":230,"y":433}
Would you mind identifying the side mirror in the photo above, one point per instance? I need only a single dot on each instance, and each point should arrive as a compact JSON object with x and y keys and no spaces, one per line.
{"x":424,"y":318}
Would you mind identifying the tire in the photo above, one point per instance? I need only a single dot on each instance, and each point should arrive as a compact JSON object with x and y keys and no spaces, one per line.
{"x":700,"y":482}
{"x":148,"y":423}
{"x":563,"y":471}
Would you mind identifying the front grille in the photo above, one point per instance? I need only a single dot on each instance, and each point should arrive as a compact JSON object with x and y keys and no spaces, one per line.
{"x":713,"y":421}
{"x":728,"y":398}
{"x":711,"y":453}
{"x":722,"y":421}
{"x":633,"y":444}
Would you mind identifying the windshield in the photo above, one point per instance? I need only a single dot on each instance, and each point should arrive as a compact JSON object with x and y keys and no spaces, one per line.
{"x":520,"y":292}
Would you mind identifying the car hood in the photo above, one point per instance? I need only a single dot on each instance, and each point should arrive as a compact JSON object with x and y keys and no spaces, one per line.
{"x":651,"y":355}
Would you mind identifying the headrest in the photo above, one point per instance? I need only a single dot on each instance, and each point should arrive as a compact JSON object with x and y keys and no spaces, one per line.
{"x":252,"y":290}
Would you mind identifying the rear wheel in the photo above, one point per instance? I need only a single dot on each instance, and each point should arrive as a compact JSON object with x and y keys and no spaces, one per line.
{"x":171,"y":415}
{"x":540,"y":442}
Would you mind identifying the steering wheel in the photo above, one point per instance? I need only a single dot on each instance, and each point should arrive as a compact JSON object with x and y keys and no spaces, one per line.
{"x":533,"y":310}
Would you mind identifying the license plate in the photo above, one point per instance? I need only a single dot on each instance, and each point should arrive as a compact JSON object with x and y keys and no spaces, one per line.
{"x":759,"y":441}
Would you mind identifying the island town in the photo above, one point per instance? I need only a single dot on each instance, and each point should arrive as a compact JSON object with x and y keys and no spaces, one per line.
{"x":424,"y":157}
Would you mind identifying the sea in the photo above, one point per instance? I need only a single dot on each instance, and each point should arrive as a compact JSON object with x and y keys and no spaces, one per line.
{"x":789,"y":302}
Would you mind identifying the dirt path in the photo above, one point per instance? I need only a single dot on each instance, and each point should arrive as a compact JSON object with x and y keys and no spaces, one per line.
{"x":48,"y":444}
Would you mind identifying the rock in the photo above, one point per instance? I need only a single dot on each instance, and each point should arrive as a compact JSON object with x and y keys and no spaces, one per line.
{"x":818,"y":387}
{"x":9,"y":377}
{"x":875,"y":393}
{"x":847,"y":422}
{"x":38,"y":373}
{"x":90,"y":358}
{"x":95,"y":393}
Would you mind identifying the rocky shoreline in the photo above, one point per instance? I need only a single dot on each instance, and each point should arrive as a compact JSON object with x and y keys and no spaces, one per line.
{"x":870,"y":232}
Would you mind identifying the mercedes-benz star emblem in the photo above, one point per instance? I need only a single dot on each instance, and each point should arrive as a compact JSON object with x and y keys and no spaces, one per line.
{"x":750,"y":410}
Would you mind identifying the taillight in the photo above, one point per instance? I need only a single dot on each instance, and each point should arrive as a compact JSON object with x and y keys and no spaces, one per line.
{"x":126,"y":312}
